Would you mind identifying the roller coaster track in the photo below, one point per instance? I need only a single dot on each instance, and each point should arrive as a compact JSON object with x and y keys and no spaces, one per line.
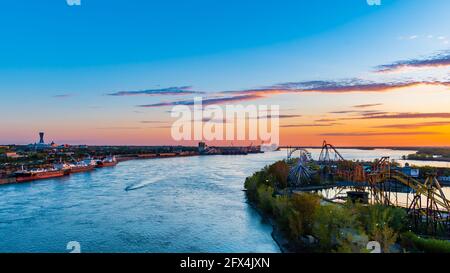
{"x":426,"y":189}
{"x":292,"y":150}
{"x":327,"y":151}
{"x":430,"y":189}
{"x":429,"y":208}
{"x":383,"y":172}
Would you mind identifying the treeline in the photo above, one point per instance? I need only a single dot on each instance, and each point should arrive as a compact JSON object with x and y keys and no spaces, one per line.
{"x":429,"y":152}
{"x":312,"y":225}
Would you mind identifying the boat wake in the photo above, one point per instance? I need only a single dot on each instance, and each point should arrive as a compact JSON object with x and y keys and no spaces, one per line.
{"x":140,"y":185}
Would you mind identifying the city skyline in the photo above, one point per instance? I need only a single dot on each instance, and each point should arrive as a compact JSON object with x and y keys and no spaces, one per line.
{"x":109,"y":72}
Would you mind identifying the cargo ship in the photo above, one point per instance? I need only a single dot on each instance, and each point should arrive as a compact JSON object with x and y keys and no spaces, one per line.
{"x":25,"y":175}
{"x":82,"y":166}
{"x":107,"y":162}
{"x":63,"y":167}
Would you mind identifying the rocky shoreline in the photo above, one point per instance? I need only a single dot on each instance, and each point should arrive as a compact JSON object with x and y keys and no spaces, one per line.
{"x":277,"y":235}
{"x":280,"y":239}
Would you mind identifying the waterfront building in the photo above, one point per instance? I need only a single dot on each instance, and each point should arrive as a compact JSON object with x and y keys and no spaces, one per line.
{"x":12,"y":155}
{"x":444,"y":178}
{"x":41,"y":145}
{"x":407,"y":170}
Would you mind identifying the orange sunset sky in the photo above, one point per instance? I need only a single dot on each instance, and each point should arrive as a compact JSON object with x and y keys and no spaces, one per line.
{"x":345,"y":72}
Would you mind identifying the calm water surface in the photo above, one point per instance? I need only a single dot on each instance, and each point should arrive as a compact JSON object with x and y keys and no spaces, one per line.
{"x":192,"y":204}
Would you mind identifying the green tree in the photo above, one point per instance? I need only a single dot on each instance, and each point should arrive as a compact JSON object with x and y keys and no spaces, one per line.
{"x":280,"y":170}
{"x":333,"y":226}
{"x":305,"y":206}
{"x":281,"y":209}
{"x":265,"y":198}
{"x":382,"y":223}
{"x":251,"y":185}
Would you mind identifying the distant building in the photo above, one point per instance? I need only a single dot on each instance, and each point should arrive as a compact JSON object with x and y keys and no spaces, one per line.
{"x":41,"y":145}
{"x":444,"y":178}
{"x":407,"y":170}
{"x":12,"y":155}
{"x":41,"y":138}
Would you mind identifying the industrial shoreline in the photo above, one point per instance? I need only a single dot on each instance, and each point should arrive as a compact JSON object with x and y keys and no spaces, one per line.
{"x":11,"y":179}
{"x":24,"y":163}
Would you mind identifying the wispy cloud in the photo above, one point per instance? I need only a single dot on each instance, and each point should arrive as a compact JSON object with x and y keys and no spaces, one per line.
{"x":441,"y":59}
{"x":341,"y":86}
{"x":208,"y":101}
{"x":326,"y":120}
{"x":319,"y":86}
{"x":387,"y":115}
{"x":367,"y":105}
{"x":284,"y":116}
{"x":309,"y":125}
{"x":344,"y":86}
{"x":280,"y":116}
{"x":344,"y":112}
{"x":359,"y":112}
{"x":402,"y":116}
{"x":363,"y":134}
{"x":214,"y":120}
{"x":63,"y":96}
{"x":170,"y":91}
{"x":152,"y":122}
{"x":414,"y":125}
{"x":358,"y":85}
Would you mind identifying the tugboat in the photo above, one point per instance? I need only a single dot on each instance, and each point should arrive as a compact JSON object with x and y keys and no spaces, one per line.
{"x":110,"y":161}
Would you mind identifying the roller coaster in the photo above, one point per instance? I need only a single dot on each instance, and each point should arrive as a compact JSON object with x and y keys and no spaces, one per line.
{"x":384,"y":183}
{"x":302,"y":151}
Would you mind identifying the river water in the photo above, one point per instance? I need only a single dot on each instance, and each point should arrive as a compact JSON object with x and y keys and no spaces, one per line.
{"x":186,"y":204}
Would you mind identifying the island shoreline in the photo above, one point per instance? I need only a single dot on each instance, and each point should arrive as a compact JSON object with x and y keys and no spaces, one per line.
{"x":276,"y":234}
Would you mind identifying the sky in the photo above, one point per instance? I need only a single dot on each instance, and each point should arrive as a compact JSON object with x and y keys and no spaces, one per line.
{"x":110,"y":71}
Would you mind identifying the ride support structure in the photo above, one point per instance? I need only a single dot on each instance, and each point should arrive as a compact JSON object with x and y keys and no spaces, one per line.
{"x":424,"y":199}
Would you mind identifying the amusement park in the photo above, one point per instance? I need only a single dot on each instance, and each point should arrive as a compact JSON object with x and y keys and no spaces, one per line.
{"x":291,"y":191}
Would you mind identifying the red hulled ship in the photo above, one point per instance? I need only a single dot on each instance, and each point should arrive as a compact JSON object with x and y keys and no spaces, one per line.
{"x":24,"y":176}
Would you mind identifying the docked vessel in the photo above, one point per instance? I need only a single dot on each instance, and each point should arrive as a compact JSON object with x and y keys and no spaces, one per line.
{"x":107,"y":162}
{"x":82,"y":166}
{"x":64,"y":167}
{"x":25,"y":175}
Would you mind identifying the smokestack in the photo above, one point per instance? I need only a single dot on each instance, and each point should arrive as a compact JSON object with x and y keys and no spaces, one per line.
{"x":41,"y":136}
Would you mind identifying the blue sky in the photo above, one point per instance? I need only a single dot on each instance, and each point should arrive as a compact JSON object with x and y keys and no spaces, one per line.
{"x":103,"y":46}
